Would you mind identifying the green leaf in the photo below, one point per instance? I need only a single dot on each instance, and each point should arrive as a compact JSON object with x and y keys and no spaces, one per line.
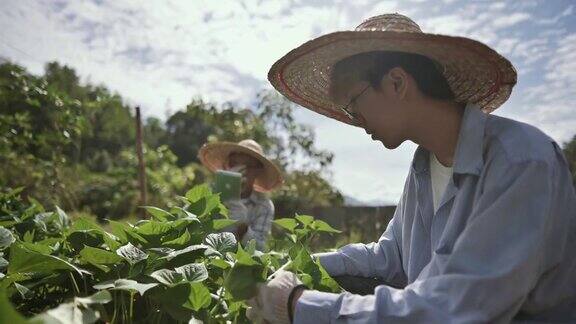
{"x":221,"y":242}
{"x":25,"y":293}
{"x":63,"y":220}
{"x":98,"y":257}
{"x":159,"y":214}
{"x":152,"y":228}
{"x":242,"y":281}
{"x":194,"y":272}
{"x":186,"y":255}
{"x":80,"y":238}
{"x":131,"y":253}
{"x":101,"y":297}
{"x":25,"y":260}
{"x":222,"y":264}
{"x":8,"y":313}
{"x":126,"y":284}
{"x":244,"y":258}
{"x":219,"y":224}
{"x":6,"y":238}
{"x":84,"y":223}
{"x":322,"y":226}
{"x":198,"y":192}
{"x":167,"y":277}
{"x":179,"y":242}
{"x":305,"y":219}
{"x":3,"y":263}
{"x":287,"y":223}
{"x":199,"y":296}
{"x":202,"y":201}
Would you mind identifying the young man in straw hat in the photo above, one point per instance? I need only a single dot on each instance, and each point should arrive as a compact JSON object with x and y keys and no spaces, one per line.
{"x":254,"y":211}
{"x":485,"y":230}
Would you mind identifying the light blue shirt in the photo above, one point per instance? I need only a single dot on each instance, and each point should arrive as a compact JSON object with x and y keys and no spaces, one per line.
{"x":500,"y":248}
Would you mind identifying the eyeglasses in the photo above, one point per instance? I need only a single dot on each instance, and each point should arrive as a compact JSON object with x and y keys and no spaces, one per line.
{"x":351,"y":114}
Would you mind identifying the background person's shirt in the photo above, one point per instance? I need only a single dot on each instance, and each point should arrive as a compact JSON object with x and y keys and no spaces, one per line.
{"x":257,"y":211}
{"x":500,"y":248}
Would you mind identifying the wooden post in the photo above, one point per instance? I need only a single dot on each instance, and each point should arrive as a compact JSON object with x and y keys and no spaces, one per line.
{"x":141,"y":166}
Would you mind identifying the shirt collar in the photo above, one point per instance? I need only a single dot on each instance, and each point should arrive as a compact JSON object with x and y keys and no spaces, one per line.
{"x":468,"y":155}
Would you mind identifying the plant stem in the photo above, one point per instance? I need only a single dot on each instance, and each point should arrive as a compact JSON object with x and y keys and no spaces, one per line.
{"x":131,"y":305}
{"x":74,"y":283}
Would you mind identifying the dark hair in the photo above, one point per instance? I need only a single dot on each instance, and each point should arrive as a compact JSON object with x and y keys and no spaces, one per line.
{"x":372,"y":66}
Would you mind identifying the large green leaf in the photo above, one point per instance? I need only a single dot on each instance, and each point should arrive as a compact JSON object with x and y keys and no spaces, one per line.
{"x":101,"y":297}
{"x":221,"y":242}
{"x":194,"y":272}
{"x":126,"y":284}
{"x":152,"y":228}
{"x":218,"y":224}
{"x":187,"y":255}
{"x":25,"y":260}
{"x":131,"y":253}
{"x":179,"y":242}
{"x":99,"y":257}
{"x":322,"y":226}
{"x":287,"y":223}
{"x":90,"y":237}
{"x":199,"y":296}
{"x":305,"y":219}
{"x":168,"y":277}
{"x":244,"y":258}
{"x":241,"y":282}
{"x":159,"y":214}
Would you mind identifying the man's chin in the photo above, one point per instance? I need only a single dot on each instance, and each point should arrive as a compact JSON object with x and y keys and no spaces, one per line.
{"x":390,"y":145}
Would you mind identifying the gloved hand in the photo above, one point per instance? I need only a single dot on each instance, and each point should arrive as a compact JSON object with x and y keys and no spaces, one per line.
{"x":271,"y":301}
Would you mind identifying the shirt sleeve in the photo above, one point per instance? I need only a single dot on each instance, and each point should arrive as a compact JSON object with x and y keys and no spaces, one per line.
{"x":380,"y":259}
{"x":259,"y":227}
{"x":483,"y":277}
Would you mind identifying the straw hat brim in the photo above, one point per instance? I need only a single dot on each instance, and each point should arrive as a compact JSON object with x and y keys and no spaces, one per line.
{"x":214,"y":156}
{"x":475,"y":72}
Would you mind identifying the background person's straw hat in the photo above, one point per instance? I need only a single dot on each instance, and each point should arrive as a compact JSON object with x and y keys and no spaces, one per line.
{"x":475,"y":72}
{"x":215,"y":156}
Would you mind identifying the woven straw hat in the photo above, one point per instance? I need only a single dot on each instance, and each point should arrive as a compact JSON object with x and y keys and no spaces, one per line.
{"x":475,"y":72}
{"x":215,"y":155}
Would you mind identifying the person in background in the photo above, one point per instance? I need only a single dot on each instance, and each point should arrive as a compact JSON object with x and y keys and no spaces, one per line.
{"x":485,"y":229}
{"x":254,"y":211}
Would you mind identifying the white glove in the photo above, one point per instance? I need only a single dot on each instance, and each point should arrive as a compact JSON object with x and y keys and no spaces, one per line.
{"x":271,"y":301}
{"x":255,"y":316}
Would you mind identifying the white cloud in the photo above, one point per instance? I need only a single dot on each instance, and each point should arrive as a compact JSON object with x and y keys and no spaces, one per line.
{"x":161,"y":54}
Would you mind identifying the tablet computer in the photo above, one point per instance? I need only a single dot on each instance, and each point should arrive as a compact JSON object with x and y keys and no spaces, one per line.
{"x":228,"y":184}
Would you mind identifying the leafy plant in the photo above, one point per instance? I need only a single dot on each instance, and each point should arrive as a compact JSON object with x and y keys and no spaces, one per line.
{"x":177,"y":266}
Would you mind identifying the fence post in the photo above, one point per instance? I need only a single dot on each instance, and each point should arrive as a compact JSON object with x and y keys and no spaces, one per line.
{"x":141,"y":165}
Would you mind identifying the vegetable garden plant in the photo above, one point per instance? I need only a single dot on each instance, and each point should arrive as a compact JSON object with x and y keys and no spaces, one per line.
{"x":178,"y":266}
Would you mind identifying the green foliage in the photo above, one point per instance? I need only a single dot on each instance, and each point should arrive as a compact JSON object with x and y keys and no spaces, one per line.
{"x":73,"y":145}
{"x":174,"y":267}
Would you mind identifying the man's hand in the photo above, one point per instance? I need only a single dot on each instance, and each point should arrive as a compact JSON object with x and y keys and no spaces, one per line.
{"x":271,"y":301}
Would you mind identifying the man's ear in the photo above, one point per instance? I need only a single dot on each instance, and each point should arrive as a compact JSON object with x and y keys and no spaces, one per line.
{"x":399,"y":79}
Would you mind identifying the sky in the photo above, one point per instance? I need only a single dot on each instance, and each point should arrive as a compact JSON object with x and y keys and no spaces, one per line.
{"x":161,"y":54}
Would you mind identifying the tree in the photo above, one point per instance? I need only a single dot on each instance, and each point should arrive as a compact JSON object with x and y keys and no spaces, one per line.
{"x":570,"y":153}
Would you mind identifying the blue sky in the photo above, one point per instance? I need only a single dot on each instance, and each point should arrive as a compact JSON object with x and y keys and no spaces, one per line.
{"x":160,"y":54}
